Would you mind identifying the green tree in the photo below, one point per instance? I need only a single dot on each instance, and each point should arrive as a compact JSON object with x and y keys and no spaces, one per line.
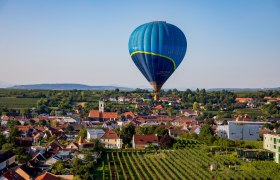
{"x":161,"y":131}
{"x":195,"y":106}
{"x":58,"y":168}
{"x":2,"y":139}
{"x":206,"y":134}
{"x":7,"y":146}
{"x":83,"y":133}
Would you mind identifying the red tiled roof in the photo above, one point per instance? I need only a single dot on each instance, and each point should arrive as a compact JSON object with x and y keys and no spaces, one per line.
{"x":47,"y":176}
{"x":145,"y":139}
{"x":129,"y":114}
{"x":189,"y":111}
{"x":11,"y":174}
{"x":194,"y":128}
{"x":105,"y":115}
{"x":109,"y":115}
{"x":94,"y":114}
{"x":185,"y":120}
{"x":243,"y":99}
{"x":24,"y":128}
{"x":110,"y":134}
{"x":159,"y":106}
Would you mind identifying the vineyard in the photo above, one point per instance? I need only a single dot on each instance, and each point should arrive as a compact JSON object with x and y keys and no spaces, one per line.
{"x":180,"y":164}
{"x":18,"y":102}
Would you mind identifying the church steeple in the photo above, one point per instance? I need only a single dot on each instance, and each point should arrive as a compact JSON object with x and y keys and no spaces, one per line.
{"x":101,"y":106}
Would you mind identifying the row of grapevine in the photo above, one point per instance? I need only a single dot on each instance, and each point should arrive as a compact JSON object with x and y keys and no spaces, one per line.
{"x":177,"y":164}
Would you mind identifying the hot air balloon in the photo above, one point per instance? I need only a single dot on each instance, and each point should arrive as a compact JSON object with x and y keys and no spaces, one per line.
{"x":157,"y":49}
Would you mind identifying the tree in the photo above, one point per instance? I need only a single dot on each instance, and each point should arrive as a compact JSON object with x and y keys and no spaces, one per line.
{"x":7,"y":146}
{"x":12,"y":123}
{"x":127,"y":133}
{"x":161,"y":131}
{"x":166,"y":142}
{"x":82,"y":133}
{"x":206,"y":134}
{"x":14,"y":132}
{"x":195,"y":106}
{"x":58,"y":168}
{"x":2,"y":139}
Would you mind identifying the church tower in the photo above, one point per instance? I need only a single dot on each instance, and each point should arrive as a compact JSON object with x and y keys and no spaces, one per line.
{"x":101,"y":106}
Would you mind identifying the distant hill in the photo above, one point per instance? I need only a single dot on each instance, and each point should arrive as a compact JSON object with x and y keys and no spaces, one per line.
{"x":67,"y":86}
{"x":243,"y":89}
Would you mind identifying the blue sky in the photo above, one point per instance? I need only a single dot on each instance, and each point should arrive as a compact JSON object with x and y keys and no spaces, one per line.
{"x":230,"y":43}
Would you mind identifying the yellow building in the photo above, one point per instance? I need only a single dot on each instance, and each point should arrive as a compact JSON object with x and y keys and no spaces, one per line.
{"x":271,"y":142}
{"x":111,"y":140}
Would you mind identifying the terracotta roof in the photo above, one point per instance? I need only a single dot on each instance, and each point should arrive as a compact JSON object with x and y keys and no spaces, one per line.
{"x":194,"y":128}
{"x":94,"y":114}
{"x":245,"y":117}
{"x":129,"y":114}
{"x":24,"y":128}
{"x":22,"y":173}
{"x":110,"y":134}
{"x":185,"y":120}
{"x":47,"y":176}
{"x":39,"y":128}
{"x":12,"y":175}
{"x":37,"y":135}
{"x":108,"y":115}
{"x":145,"y":139}
{"x":189,"y":111}
{"x":160,"y":106}
{"x":243,"y":99}
{"x":81,"y":140}
{"x":105,"y":115}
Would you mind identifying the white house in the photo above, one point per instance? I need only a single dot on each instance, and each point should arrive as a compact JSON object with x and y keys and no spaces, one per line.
{"x":94,"y":133}
{"x":240,"y":130}
{"x":6,"y":159}
{"x":271,"y":142}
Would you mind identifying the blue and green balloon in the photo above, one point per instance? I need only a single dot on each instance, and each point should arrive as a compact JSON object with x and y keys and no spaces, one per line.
{"x":157,"y":49}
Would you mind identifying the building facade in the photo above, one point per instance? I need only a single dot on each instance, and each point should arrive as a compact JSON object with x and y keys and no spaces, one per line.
{"x":271,"y":142}
{"x":240,"y":130}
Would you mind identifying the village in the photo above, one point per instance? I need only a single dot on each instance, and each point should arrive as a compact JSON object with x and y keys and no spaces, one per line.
{"x":69,"y":145}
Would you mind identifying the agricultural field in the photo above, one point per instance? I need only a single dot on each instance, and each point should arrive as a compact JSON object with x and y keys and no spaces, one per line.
{"x":18,"y":102}
{"x":180,"y":164}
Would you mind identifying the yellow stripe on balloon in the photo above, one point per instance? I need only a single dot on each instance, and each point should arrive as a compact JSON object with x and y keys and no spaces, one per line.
{"x":154,"y":54}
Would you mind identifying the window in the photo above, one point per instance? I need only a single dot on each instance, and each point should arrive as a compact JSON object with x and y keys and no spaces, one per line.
{"x":274,"y":146}
{"x":274,"y":140}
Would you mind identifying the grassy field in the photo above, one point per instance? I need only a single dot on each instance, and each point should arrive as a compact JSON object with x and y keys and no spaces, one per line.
{"x":18,"y":102}
{"x":180,"y":164}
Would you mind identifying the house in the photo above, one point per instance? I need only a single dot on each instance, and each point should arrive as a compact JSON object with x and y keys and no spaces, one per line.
{"x":81,"y":144}
{"x":11,"y":175}
{"x":23,"y":172}
{"x":50,"y":176}
{"x":195,"y":129}
{"x":175,"y":132}
{"x":189,"y":113}
{"x":240,"y":130}
{"x":184,"y":121}
{"x":111,"y":140}
{"x":95,"y":133}
{"x":129,"y":115}
{"x":244,"y":117}
{"x":271,"y":142}
{"x":141,"y":141}
{"x":54,"y":145}
{"x":243,"y":100}
{"x":7,"y":158}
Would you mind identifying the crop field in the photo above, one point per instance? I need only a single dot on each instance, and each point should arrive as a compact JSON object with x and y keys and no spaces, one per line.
{"x":180,"y":164}
{"x":18,"y":102}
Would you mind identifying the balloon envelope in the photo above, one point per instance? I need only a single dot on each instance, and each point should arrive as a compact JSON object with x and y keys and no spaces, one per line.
{"x":157,"y":49}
